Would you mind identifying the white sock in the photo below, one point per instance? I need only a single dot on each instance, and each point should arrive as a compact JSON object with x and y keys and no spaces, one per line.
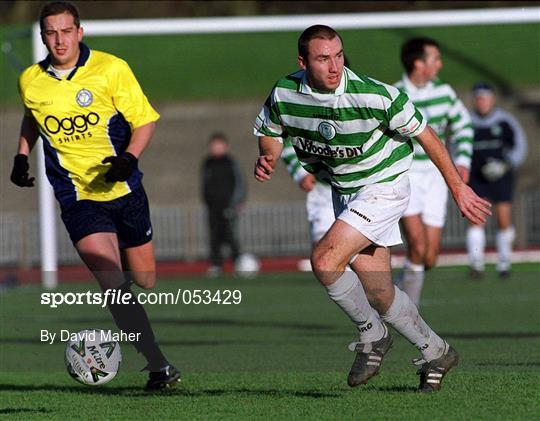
{"x":412,"y":280}
{"x":404,"y":317}
{"x":348,"y":293}
{"x":504,"y":240}
{"x":476,"y":244}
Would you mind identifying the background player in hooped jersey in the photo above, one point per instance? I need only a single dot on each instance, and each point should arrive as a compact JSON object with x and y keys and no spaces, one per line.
{"x":424,"y":218}
{"x":500,"y":146}
{"x":95,"y":122}
{"x":319,"y":207}
{"x":357,"y":131}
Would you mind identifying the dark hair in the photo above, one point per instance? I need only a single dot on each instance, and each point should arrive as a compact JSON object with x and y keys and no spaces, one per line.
{"x":482,"y":88}
{"x":57,"y":8}
{"x":218,"y":135}
{"x":414,"y":49}
{"x":315,"y":32}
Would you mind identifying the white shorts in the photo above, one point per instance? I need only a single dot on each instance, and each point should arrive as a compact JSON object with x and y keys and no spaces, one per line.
{"x":429,"y":196}
{"x":320,"y":210}
{"x":375,"y":210}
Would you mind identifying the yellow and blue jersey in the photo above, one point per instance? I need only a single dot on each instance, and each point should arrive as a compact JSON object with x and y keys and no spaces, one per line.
{"x":84,"y":118}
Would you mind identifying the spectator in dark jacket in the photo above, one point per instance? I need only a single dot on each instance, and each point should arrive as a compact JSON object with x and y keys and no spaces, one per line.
{"x":224,"y":192}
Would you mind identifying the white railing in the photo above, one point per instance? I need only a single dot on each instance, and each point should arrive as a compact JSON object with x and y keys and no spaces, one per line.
{"x":266,"y":229}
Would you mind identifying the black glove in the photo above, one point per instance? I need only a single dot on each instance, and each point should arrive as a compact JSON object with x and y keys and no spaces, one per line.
{"x":122,"y":167}
{"x":19,"y":174}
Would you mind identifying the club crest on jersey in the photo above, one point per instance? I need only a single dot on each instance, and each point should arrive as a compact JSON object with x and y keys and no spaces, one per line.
{"x":327,"y":131}
{"x":84,"y":97}
{"x":496,"y":130}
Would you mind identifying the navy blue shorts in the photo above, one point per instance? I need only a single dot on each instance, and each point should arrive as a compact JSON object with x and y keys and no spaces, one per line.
{"x":128,"y":217}
{"x":496,"y":191}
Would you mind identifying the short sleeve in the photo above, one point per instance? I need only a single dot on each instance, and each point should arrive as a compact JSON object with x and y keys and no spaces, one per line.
{"x":129,"y":98}
{"x":22,"y":84}
{"x":403,"y":117}
{"x":268,"y":122}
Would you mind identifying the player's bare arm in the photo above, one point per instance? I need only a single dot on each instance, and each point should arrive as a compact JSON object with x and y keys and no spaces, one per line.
{"x":463,"y":173}
{"x":472,"y":207}
{"x":28,"y":136}
{"x":269,"y":153}
{"x":140,"y":138}
{"x":308,"y":183}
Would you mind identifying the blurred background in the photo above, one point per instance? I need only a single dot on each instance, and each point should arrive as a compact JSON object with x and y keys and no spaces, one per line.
{"x":202,"y":83}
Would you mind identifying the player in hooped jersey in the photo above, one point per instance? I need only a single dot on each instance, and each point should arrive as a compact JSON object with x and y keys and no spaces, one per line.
{"x":319,"y":207}
{"x":95,"y":122}
{"x":424,"y":218}
{"x":320,"y":212}
{"x":356,"y":131}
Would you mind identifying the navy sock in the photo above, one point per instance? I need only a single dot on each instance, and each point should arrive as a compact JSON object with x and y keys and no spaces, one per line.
{"x":132,"y":318}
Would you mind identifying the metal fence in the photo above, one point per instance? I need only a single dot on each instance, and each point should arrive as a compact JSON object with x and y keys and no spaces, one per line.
{"x":266,"y":229}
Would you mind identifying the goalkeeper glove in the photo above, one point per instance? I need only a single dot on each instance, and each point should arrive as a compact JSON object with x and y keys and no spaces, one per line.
{"x":19,"y":173}
{"x":122,"y":167}
{"x":494,"y":169}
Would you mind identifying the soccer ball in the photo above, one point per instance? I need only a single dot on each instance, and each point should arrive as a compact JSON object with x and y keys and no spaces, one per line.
{"x":247,"y":265}
{"x":92,"y":357}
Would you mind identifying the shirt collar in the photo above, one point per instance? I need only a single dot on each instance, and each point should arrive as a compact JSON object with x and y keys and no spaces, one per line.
{"x":84,"y":55}
{"x":306,"y":89}
{"x":411,"y":87}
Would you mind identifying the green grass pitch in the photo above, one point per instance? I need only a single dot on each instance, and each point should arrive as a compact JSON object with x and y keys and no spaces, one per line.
{"x":282,"y":354}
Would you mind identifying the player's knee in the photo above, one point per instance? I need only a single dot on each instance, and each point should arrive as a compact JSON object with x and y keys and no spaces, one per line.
{"x":322,"y":263}
{"x":318,"y":263}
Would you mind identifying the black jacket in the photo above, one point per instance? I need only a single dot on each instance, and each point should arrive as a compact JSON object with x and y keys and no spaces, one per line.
{"x":222,"y":182}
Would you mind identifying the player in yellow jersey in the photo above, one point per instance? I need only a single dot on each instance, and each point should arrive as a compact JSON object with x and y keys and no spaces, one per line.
{"x":95,"y":122}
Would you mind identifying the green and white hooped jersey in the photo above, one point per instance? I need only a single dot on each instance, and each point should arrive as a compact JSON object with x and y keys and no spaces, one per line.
{"x":356,"y":136}
{"x":446,"y":114}
{"x":288,"y":155}
{"x":297,"y":172}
